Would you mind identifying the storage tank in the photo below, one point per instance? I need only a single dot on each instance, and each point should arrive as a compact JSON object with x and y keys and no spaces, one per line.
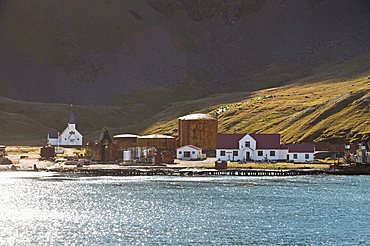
{"x":125,"y":141}
{"x":126,"y":155}
{"x":157,"y":141}
{"x":199,"y":130}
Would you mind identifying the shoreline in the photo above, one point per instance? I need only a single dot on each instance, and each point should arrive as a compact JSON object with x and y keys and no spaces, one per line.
{"x":179,"y":168}
{"x":151,"y":170}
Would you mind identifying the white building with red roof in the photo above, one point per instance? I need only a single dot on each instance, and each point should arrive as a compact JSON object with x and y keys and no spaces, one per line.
{"x":303,"y":152}
{"x":260,"y":147}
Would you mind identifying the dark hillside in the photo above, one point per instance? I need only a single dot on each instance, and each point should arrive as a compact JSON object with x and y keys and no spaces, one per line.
{"x":92,"y":52}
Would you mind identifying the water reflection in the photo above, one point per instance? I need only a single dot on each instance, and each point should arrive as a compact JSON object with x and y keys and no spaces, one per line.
{"x":48,"y":208}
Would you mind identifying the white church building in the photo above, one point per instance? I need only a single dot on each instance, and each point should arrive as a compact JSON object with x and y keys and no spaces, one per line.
{"x":70,"y":137}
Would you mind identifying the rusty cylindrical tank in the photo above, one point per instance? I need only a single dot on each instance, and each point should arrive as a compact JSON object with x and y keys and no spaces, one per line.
{"x":125,"y":141}
{"x":162,"y":142}
{"x":199,"y":130}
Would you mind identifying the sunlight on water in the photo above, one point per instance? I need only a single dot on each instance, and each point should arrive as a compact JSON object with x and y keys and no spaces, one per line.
{"x":47,"y":208}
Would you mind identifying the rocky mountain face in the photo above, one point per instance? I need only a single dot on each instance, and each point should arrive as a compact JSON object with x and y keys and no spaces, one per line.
{"x":93,"y":52}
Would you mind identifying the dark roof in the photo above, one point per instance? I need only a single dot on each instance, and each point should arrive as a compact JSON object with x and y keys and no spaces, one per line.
{"x":267,"y":141}
{"x":301,"y":148}
{"x":71,"y":117}
{"x":228,"y":141}
{"x":264,"y":141}
{"x":53,"y":135}
{"x":284,"y":146}
{"x":105,"y":137}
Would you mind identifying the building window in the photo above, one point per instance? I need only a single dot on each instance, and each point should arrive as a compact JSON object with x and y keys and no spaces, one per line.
{"x":193,"y":152}
{"x":186,"y":154}
{"x":307,"y":156}
{"x":235,"y":153}
{"x":222,"y":153}
{"x":260,"y":153}
{"x":180,"y":152}
{"x":272,"y":153}
{"x":295,"y":156}
{"x":247,"y":144}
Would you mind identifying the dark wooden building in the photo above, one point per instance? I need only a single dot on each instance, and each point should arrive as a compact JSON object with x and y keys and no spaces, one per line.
{"x":103,"y":149}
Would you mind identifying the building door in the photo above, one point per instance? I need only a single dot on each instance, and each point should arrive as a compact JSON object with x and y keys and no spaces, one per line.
{"x":186,"y":154}
{"x":229,"y":156}
{"x":247,"y":156}
{"x":287,"y":157}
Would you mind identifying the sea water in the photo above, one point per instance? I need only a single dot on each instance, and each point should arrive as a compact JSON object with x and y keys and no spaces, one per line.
{"x":50,"y":209}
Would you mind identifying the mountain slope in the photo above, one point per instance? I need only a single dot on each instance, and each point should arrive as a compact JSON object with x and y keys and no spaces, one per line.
{"x":317,"y":107}
{"x":328,"y":110}
{"x":99,"y":52}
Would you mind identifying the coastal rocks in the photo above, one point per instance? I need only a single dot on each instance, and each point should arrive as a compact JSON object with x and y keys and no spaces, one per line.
{"x":5,"y":161}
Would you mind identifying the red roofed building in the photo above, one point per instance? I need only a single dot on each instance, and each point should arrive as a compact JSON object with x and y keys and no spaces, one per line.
{"x":303,"y":152}
{"x":244,"y":147}
{"x":260,"y":147}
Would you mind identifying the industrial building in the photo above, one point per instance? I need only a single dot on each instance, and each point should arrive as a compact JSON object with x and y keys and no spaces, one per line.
{"x":157,"y":148}
{"x":158,"y":141}
{"x":104,"y":149}
{"x":127,"y":147}
{"x":198,"y":130}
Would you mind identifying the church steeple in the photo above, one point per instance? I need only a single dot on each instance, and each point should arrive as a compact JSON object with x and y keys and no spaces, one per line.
{"x":71,"y":116}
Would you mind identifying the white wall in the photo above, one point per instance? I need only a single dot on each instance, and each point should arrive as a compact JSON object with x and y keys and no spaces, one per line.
{"x":245,"y":139}
{"x":229,"y":155}
{"x":70,"y":139}
{"x":279,"y":155}
{"x":301,"y":157}
{"x":194,"y":153}
{"x":267,"y":155}
{"x":283,"y":154}
{"x":52,"y":141}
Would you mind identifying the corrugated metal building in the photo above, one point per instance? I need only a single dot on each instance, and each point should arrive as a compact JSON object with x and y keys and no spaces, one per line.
{"x":158,"y":141}
{"x":199,"y":130}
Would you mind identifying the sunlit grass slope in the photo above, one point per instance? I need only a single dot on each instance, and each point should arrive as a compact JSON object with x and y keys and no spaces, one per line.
{"x":319,"y":111}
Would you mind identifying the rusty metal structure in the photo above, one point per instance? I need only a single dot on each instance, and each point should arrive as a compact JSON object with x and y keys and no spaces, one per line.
{"x":104,"y":149}
{"x":199,"y":130}
{"x":2,"y":151}
{"x":162,"y":142}
{"x":47,"y":152}
{"x":125,"y":141}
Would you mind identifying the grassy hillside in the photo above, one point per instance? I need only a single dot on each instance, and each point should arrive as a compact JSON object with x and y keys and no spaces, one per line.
{"x":330,"y":110}
{"x":325,"y":110}
{"x":333,"y":104}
